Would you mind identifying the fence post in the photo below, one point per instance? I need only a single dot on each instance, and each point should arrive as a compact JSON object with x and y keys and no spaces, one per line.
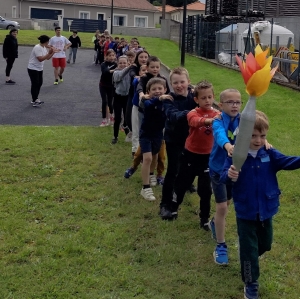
{"x":272,"y":22}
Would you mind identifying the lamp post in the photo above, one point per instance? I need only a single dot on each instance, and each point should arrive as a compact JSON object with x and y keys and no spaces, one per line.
{"x":183,"y":34}
{"x":111,"y":16}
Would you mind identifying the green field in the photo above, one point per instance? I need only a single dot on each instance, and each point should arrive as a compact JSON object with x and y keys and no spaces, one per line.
{"x":72,"y":227}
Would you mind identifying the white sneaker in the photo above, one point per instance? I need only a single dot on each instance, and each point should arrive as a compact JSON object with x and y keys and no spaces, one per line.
{"x":104,"y":123}
{"x":153,"y":180}
{"x":128,"y":137}
{"x":148,"y":194}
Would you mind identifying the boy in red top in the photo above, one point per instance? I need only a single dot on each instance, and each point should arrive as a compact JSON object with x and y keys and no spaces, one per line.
{"x":195,"y":156}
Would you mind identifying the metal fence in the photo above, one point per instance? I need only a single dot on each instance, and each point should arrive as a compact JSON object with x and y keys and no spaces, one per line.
{"x":84,"y":25}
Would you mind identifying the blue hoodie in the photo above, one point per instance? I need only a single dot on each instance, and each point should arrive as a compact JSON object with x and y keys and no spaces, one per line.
{"x":224,"y":131}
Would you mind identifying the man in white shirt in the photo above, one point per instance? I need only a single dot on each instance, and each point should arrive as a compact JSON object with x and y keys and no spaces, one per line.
{"x":59,"y":59}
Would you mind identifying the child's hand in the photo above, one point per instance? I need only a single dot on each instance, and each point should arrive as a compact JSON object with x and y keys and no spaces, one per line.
{"x":229,"y":148}
{"x":146,"y":97}
{"x":165,"y":97}
{"x":268,"y":145}
{"x":232,"y":173}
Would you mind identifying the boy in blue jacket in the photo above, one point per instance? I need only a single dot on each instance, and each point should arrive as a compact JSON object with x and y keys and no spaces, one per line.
{"x":256,"y":200}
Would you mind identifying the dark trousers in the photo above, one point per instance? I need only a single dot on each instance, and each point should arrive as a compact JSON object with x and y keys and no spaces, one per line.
{"x":128,"y":113}
{"x":99,"y":57}
{"x":107,"y":94}
{"x":9,"y":65}
{"x":255,"y":238}
{"x":119,"y":105}
{"x":173,"y":153}
{"x":36,"y":78}
{"x":192,"y":165}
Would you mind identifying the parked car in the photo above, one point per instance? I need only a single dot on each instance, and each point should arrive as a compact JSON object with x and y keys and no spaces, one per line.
{"x":8,"y":24}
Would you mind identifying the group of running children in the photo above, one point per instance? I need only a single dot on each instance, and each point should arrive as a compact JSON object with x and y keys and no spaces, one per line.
{"x":199,"y":142}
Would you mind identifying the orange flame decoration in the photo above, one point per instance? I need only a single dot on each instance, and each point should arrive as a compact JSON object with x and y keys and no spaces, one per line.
{"x":257,"y":71}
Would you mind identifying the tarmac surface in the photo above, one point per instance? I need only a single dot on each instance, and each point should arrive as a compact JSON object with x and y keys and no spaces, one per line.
{"x":75,"y":102}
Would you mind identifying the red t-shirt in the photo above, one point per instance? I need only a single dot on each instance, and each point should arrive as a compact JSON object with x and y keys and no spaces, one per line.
{"x":200,"y":139}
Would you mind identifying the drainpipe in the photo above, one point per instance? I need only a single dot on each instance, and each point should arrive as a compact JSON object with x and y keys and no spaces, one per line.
{"x":20,"y":8}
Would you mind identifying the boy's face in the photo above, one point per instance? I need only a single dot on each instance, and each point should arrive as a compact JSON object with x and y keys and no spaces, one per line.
{"x":153,"y":68}
{"x":131,"y":59}
{"x":205,"y":98}
{"x":232,"y":103}
{"x":258,"y":139}
{"x":180,"y":84}
{"x":157,"y":90}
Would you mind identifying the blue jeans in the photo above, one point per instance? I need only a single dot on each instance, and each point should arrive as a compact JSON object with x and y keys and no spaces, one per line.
{"x":74,"y":52}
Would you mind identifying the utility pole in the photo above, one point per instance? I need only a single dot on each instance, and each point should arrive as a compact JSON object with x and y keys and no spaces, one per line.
{"x":163,"y":9}
{"x":183,"y":34}
{"x":111,"y":17}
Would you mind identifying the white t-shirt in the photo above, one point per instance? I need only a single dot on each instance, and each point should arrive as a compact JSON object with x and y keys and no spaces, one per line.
{"x":34,"y":63}
{"x":59,"y":42}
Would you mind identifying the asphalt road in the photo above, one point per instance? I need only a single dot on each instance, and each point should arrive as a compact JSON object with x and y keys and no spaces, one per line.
{"x":74,"y":102}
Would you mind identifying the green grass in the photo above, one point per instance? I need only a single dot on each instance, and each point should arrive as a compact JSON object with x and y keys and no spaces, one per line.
{"x":72,"y":227}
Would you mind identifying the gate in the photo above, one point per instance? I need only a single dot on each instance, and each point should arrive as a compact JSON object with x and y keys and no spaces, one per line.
{"x":85,"y":25}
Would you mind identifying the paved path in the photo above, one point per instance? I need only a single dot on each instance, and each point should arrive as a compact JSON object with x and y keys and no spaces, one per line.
{"x":75,"y":102}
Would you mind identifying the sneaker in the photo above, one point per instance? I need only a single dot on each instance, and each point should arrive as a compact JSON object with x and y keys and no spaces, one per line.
{"x":160,"y":180}
{"x":10,"y":82}
{"x":68,"y":61}
{"x":148,"y":194}
{"x":152,"y":180}
{"x":212,"y":227}
{"x":165,"y":213}
{"x":56,"y":82}
{"x":220,"y":254}
{"x":114,"y":141}
{"x":111,"y":120}
{"x":104,"y":123}
{"x":60,"y":78}
{"x":204,"y":224}
{"x":251,"y":290}
{"x":128,"y":137}
{"x":37,"y":103}
{"x":129,"y":172}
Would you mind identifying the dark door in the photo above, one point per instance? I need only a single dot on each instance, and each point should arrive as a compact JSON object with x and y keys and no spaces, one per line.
{"x":100,"y":16}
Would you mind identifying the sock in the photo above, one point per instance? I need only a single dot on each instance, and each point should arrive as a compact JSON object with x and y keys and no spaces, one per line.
{"x":146,"y":186}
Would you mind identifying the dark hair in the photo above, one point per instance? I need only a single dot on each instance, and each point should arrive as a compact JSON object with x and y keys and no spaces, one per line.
{"x":43,"y":39}
{"x":13,"y":30}
{"x":202,"y":85}
{"x":56,"y":28}
{"x":152,"y":59}
{"x":156,"y":80}
{"x":136,"y":61}
{"x":75,"y":31}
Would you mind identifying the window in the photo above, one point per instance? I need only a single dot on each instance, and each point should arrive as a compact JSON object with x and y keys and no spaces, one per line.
{"x":14,"y":12}
{"x":140,"y":21}
{"x":84,"y":15}
{"x":100,"y":16}
{"x":119,"y":20}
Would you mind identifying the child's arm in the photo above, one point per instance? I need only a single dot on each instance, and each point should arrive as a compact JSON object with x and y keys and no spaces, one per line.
{"x":173,"y":114}
{"x":197,"y":121}
{"x":283,"y":162}
{"x":140,"y":87}
{"x":220,"y":136}
{"x":120,"y":74}
{"x":229,"y":172}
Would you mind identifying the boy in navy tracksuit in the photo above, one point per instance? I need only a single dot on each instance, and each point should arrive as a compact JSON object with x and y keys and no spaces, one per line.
{"x":256,"y":200}
{"x":151,"y":132}
{"x":176,"y":132}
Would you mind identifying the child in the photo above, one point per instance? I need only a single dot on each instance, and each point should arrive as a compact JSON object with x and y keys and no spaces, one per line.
{"x":131,"y":56}
{"x":256,"y":200}
{"x":198,"y":145}
{"x":224,"y":130}
{"x":121,"y":78}
{"x":106,"y":87}
{"x":176,"y":132}
{"x":151,"y":133}
{"x":153,"y":69}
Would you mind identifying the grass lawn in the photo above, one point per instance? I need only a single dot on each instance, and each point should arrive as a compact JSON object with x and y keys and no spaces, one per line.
{"x":72,"y":227}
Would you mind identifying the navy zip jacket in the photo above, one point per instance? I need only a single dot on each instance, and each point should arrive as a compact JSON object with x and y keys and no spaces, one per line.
{"x":176,"y":127}
{"x":106,"y":75}
{"x":256,"y":192}
{"x":154,"y":119}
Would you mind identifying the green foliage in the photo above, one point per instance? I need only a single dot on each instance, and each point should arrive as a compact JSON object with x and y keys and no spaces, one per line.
{"x":72,"y":227}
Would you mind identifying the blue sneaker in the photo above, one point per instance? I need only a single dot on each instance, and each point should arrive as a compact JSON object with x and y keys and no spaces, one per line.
{"x":129,"y":172}
{"x":160,"y":180}
{"x":211,"y":225}
{"x":251,"y":290}
{"x":220,"y":254}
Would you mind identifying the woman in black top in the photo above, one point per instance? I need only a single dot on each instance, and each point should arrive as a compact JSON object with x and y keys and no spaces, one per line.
{"x":10,"y":52}
{"x":76,"y":43}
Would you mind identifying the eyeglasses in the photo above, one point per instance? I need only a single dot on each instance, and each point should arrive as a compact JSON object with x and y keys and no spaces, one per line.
{"x":231,"y":103}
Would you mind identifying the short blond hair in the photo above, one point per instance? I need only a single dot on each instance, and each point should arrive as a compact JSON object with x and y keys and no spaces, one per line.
{"x":261,"y":121}
{"x":224,"y":93}
{"x":179,"y":71}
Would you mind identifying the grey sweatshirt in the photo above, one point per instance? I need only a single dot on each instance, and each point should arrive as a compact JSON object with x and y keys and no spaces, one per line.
{"x":122,"y":81}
